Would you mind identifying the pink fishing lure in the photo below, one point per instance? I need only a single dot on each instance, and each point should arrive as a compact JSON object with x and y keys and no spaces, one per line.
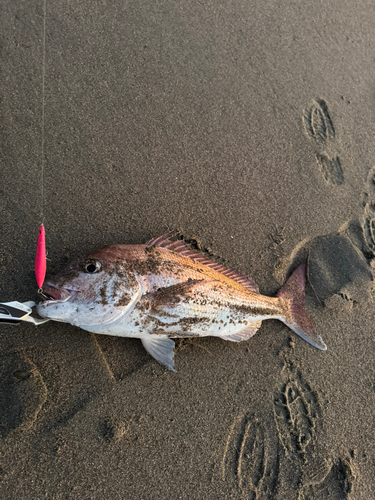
{"x":40,"y":258}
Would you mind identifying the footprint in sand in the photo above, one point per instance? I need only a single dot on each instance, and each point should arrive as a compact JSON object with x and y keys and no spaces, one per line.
{"x":317,"y":121}
{"x":297,"y":415}
{"x":111,"y":430}
{"x":369,"y":226}
{"x":337,"y":484}
{"x":369,"y":211}
{"x":319,"y":127}
{"x":279,"y":456}
{"x":298,"y":419}
{"x":22,"y":393}
{"x":370,"y":185}
{"x":335,"y":267}
{"x":251,"y":458}
{"x":330,"y":168}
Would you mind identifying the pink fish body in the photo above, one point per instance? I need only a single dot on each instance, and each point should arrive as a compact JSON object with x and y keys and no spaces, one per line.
{"x":165,"y":290}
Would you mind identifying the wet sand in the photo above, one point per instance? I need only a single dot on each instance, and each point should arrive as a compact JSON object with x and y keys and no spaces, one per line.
{"x":249,"y":128}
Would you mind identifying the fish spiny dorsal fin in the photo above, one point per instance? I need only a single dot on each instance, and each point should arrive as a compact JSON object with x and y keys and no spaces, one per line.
{"x":163,"y":239}
{"x":183,"y":248}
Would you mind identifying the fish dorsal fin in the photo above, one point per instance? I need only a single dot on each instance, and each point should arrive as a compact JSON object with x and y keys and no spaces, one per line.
{"x":183,"y":248}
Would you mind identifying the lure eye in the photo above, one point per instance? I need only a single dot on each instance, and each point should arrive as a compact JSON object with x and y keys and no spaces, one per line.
{"x":92,"y":267}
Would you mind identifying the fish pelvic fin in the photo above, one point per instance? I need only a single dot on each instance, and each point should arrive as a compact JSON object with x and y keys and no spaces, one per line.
{"x":293,"y":298}
{"x":161,"y":349}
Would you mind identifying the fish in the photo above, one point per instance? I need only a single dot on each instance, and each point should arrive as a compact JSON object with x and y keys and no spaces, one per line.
{"x":164,"y":289}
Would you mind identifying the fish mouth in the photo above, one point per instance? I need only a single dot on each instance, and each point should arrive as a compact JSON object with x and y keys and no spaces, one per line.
{"x":51,"y":293}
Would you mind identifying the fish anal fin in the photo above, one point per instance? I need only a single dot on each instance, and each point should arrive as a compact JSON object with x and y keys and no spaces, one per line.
{"x":183,"y":248}
{"x":245,"y":334}
{"x":161,"y":349}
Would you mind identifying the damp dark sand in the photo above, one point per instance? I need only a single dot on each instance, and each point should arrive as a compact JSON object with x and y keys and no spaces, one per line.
{"x":250,"y":128}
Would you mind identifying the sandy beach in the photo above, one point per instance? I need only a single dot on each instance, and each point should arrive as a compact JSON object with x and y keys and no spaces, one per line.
{"x":249,"y":128}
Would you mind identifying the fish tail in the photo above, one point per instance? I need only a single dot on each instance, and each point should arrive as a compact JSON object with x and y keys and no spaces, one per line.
{"x":292,"y":296}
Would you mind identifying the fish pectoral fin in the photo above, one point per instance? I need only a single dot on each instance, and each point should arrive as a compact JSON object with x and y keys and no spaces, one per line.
{"x":160,"y":348}
{"x":245,"y":334}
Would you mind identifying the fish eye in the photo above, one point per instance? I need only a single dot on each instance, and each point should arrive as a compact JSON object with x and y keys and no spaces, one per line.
{"x":92,"y":267}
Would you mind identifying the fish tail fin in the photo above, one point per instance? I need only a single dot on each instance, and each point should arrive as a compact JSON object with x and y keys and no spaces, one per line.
{"x":292,"y":296}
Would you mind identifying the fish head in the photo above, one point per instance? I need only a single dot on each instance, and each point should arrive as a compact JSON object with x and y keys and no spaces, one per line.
{"x":95,"y":290}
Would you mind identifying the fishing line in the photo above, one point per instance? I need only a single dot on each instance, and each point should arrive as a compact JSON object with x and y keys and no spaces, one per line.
{"x":40,"y":258}
{"x":43,"y":106}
